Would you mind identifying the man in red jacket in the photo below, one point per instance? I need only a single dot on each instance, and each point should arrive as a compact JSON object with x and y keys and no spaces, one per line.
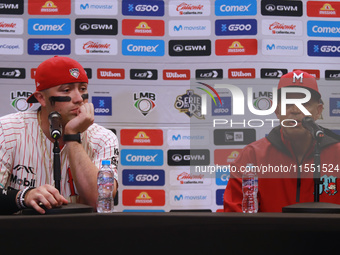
{"x":290,"y":148}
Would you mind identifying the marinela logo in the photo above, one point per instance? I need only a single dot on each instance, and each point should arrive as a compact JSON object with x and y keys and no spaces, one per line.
{"x":144,"y":102}
{"x":190,"y":104}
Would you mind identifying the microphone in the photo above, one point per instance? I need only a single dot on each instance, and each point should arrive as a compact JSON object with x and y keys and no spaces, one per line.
{"x":55,"y":126}
{"x":316,"y":131}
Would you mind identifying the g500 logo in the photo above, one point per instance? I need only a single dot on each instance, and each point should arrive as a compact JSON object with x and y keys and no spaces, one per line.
{"x":18,"y":100}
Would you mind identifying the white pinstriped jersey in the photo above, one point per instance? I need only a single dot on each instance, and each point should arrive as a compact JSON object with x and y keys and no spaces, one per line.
{"x":26,"y":155}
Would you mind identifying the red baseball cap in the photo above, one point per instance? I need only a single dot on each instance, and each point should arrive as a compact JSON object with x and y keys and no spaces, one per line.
{"x":299,"y":78}
{"x":57,"y":71}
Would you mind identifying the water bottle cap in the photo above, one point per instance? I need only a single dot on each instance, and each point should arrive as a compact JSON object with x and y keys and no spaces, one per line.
{"x":106,"y":162}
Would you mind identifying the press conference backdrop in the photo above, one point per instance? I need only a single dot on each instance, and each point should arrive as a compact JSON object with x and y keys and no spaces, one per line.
{"x":148,"y":64}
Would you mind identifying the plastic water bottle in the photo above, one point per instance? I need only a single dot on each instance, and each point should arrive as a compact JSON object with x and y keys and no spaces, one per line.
{"x":250,"y":189}
{"x":105,"y":185}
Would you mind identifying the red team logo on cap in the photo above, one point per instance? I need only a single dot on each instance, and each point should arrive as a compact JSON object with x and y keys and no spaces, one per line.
{"x":74,"y":72}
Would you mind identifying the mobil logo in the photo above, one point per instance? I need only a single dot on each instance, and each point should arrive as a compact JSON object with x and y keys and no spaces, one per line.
{"x":142,"y":157}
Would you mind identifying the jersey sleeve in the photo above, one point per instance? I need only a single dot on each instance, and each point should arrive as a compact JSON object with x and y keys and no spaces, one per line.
{"x":5,"y":159}
{"x":108,"y":149}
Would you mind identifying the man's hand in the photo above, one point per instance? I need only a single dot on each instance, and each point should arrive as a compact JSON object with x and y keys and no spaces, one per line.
{"x":82,"y":121}
{"x":46,"y":195}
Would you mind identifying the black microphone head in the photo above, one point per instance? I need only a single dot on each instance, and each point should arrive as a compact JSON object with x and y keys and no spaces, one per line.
{"x":316,"y":131}
{"x":54,"y":114}
{"x":307,"y":120}
{"x":54,"y":119}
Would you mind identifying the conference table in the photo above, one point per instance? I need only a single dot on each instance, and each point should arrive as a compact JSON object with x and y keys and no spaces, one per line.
{"x":168,"y":232}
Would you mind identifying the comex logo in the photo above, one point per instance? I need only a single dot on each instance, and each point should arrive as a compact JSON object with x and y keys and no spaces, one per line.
{"x":234,"y":8}
{"x":204,"y":98}
{"x":141,"y":158}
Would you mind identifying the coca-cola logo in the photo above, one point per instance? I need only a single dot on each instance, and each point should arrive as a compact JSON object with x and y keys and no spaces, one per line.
{"x":96,"y":45}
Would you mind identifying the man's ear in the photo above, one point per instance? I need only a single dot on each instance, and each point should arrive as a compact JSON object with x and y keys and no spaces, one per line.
{"x":278,"y":110}
{"x":319,"y":111}
{"x":40,"y":97}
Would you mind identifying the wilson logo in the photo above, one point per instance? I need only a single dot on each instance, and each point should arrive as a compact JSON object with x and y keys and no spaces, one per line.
{"x":110,"y":73}
{"x":247,"y":73}
{"x":176,"y":74}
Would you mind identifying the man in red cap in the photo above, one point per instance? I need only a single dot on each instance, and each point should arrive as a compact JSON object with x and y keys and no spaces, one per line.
{"x":290,"y":148}
{"x":26,"y":143}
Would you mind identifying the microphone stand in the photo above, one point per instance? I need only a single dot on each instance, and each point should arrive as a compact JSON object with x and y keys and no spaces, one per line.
{"x":316,"y":206}
{"x":64,"y":209}
{"x":56,"y":164}
{"x":317,"y":181}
